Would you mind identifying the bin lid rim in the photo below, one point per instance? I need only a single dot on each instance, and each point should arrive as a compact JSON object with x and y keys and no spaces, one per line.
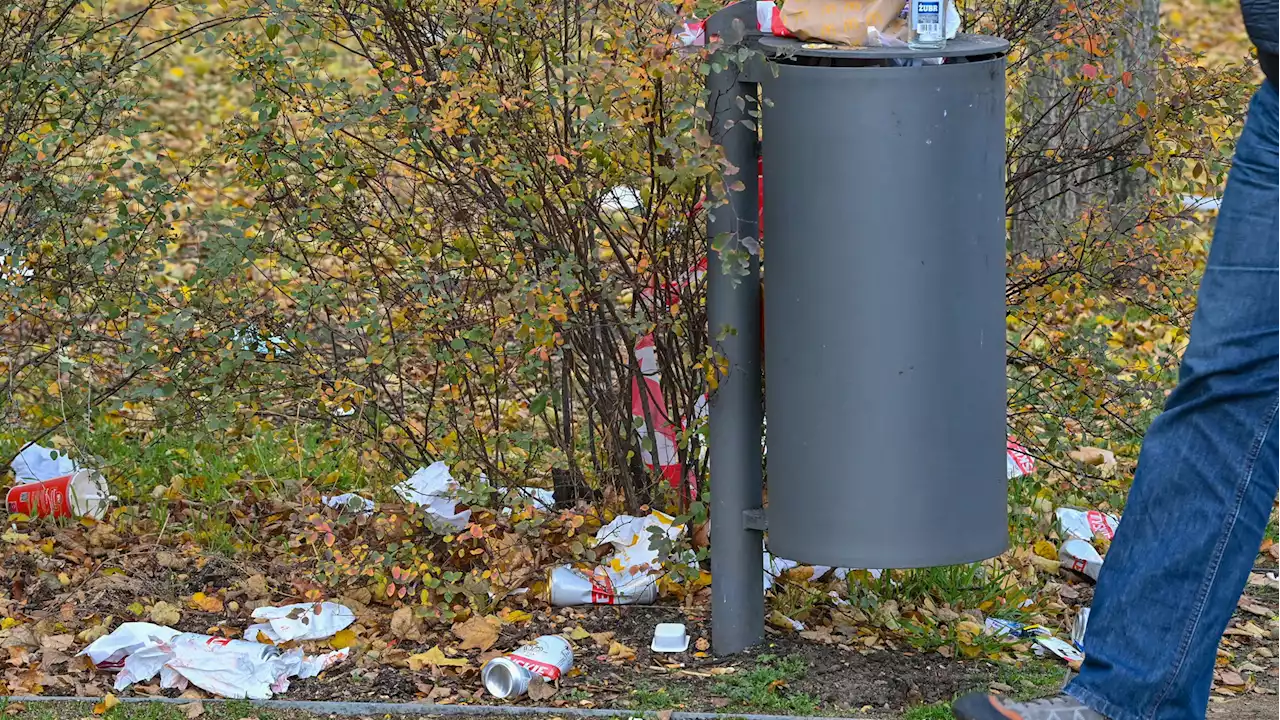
{"x":962,"y":45}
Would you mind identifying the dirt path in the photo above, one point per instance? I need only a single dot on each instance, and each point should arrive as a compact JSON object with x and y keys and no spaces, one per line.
{"x":1248,"y":707}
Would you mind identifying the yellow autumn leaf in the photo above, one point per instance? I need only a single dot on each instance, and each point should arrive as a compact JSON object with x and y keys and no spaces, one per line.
{"x":206,"y":603}
{"x":579,"y":633}
{"x":434,"y":657}
{"x":343,"y":639}
{"x":511,"y":617}
{"x":107,"y":703}
{"x":1045,"y":549}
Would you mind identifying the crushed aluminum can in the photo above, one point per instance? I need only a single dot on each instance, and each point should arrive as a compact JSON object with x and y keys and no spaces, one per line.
{"x":549,"y":656}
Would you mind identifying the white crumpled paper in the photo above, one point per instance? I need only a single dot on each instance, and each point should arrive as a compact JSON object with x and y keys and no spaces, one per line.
{"x":435,"y":490}
{"x":628,"y":576}
{"x":229,"y":668}
{"x":301,"y":621}
{"x":36,"y":463}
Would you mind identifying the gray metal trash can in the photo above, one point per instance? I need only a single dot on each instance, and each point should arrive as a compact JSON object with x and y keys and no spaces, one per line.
{"x":884,"y":267}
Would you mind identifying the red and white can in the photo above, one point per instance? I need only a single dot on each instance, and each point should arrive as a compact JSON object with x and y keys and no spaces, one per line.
{"x":550,"y":657}
{"x":80,"y":494}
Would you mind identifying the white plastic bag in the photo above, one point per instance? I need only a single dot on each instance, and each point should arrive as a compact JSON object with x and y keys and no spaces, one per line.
{"x":435,"y":490}
{"x":301,"y":621}
{"x":36,"y":463}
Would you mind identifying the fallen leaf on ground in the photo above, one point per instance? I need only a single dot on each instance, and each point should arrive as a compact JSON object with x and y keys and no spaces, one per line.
{"x":1230,"y":677}
{"x":664,"y":714}
{"x":540,"y":689}
{"x":343,"y":639}
{"x":479,"y":633}
{"x":107,"y":703}
{"x":206,"y":603}
{"x":1101,"y":458}
{"x":620,"y":651}
{"x":406,"y":625}
{"x":515,"y":616}
{"x":702,"y":645}
{"x":434,"y":657}
{"x":255,"y":586}
{"x":162,"y":613}
{"x":603,"y":639}
{"x":193,"y":710}
{"x":579,"y":634}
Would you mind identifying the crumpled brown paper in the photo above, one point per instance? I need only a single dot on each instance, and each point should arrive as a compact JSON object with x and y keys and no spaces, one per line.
{"x":843,"y":22}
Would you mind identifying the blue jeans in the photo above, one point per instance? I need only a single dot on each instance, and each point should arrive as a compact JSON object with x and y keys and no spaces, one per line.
{"x":1207,"y":474}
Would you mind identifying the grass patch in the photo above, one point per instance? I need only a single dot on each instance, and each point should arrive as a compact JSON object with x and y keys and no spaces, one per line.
{"x":937,"y":711}
{"x":1034,"y":678}
{"x":649,"y":697}
{"x":765,"y":687}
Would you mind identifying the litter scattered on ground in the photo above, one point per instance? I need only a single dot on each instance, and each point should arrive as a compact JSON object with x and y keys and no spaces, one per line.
{"x":1080,"y":556}
{"x":1001,"y":627}
{"x":301,"y":621}
{"x":349,"y":502}
{"x":236,"y":669}
{"x":669,"y":638}
{"x":1086,"y":524}
{"x":549,"y":657}
{"x":1017,"y":461}
{"x":50,"y":484}
{"x":1079,"y":627}
{"x":629,"y":576}
{"x":435,"y":491}
{"x":1061,"y":648}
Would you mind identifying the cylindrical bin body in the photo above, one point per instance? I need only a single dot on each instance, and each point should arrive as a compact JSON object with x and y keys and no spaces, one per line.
{"x":885,"y":268}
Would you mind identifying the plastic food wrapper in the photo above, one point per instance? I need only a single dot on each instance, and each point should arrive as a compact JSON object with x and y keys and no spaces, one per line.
{"x":1017,"y":461}
{"x":1086,"y":524}
{"x":1078,"y":555}
{"x":1062,"y":649}
{"x":1001,"y":627}
{"x":349,"y":502}
{"x":301,"y":621}
{"x":228,"y":668}
{"x":550,"y":657}
{"x":1079,"y":627}
{"x":435,"y":490}
{"x":629,"y":576}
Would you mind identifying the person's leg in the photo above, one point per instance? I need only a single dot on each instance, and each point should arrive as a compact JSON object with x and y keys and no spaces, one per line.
{"x":1205,"y":482}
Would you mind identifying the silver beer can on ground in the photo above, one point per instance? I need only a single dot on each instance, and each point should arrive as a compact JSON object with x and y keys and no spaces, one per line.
{"x":550,"y":657}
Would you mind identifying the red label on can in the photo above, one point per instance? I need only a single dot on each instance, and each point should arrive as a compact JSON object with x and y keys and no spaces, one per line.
{"x":1099,"y":524}
{"x":602,"y":592}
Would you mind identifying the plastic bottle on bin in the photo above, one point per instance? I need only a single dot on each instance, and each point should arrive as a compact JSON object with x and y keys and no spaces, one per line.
{"x":550,"y":656}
